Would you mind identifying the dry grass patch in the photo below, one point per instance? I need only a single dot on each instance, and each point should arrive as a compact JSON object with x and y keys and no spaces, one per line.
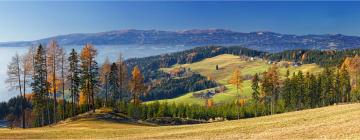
{"x":334,"y":122}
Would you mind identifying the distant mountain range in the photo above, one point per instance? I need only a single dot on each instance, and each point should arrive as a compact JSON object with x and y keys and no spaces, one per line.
{"x":266,"y":41}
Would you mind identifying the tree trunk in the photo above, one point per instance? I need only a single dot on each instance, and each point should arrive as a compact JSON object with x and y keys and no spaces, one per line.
{"x":72,"y":99}
{"x":20,"y":91}
{"x":88,"y":96}
{"x":63,"y":86}
{"x":48,"y":107}
{"x":93,"y":99}
{"x":24,"y":98}
{"x":43,"y":118}
{"x":106,"y":90}
{"x":54,"y":90}
{"x":237,"y":102}
{"x":91,"y":85}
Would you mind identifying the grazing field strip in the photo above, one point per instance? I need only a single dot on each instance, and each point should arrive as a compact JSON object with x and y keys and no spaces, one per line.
{"x":333,"y":122}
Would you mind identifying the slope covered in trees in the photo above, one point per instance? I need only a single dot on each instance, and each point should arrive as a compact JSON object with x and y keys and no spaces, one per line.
{"x":50,"y":73}
{"x":227,"y":63}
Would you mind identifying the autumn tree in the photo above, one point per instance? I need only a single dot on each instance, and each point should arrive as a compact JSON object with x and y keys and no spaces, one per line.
{"x":54,"y":63}
{"x":271,"y":86}
{"x":345,"y":84}
{"x":89,"y":74}
{"x":137,"y":86}
{"x":256,"y":93}
{"x":27,"y":71}
{"x":209,"y":103}
{"x":104,"y":78}
{"x":14,"y":80}
{"x":122,"y":77}
{"x":237,"y":81}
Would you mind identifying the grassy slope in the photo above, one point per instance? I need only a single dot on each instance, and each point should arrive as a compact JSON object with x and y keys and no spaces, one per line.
{"x":334,"y":122}
{"x":227,"y":63}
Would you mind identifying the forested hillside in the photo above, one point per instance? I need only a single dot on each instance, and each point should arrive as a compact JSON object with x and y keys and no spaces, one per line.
{"x":64,"y":84}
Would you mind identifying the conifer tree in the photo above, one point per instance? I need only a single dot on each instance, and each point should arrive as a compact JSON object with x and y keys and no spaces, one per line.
{"x":113,"y":82}
{"x":300,"y":90}
{"x":256,"y":93}
{"x":40,"y":85}
{"x":74,"y":79}
{"x":327,"y":94}
{"x":63,"y":71}
{"x":286,"y":91}
{"x":307,"y":90}
{"x":337,"y":88}
{"x":314,"y":91}
{"x":345,"y":85}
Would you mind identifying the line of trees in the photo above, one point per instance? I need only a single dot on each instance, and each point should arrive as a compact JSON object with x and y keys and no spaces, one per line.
{"x":301,"y":91}
{"x":270,"y":95}
{"x":76,"y":78}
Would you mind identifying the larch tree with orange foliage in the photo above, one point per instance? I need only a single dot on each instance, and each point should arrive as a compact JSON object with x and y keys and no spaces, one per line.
{"x":104,"y":78}
{"x":345,"y":85}
{"x":236,"y":80}
{"x":271,"y":86}
{"x":122,"y":76}
{"x":54,"y":53}
{"x":209,"y":103}
{"x":137,"y":86}
{"x":89,"y":74}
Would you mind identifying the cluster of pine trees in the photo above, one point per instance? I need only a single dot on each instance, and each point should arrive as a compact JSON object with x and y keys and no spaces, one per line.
{"x":75,"y":78}
{"x":301,"y":91}
{"x":209,"y":111}
{"x":324,"y":58}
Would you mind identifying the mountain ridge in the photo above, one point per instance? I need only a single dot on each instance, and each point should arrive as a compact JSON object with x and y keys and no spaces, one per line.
{"x":259,"y":40}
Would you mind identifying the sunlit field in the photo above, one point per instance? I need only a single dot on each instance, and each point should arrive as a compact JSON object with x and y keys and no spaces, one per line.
{"x":333,"y":122}
{"x":227,"y":64}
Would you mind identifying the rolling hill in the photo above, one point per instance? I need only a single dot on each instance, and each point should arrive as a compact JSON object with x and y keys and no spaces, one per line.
{"x":227,"y":64}
{"x":333,"y":122}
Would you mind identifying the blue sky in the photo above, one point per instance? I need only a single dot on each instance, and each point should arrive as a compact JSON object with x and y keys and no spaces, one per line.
{"x":35,"y":20}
